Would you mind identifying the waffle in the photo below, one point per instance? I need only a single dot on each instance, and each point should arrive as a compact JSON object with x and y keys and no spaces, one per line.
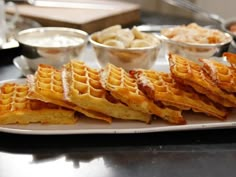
{"x":15,"y":107}
{"x":83,"y":88}
{"x":231,"y":58}
{"x":46,"y":85}
{"x":190,"y":73}
{"x":222,"y":75}
{"x":162,"y":88}
{"x":123,"y":87}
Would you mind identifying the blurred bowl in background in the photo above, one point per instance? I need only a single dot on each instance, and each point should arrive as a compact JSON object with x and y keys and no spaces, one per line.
{"x":229,"y":26}
{"x":196,"y":51}
{"x":51,"y":45}
{"x":195,"y":42}
{"x":140,"y":51}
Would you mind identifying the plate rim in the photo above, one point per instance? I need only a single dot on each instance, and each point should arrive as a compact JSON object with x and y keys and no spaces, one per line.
{"x":144,"y":128}
{"x":168,"y":128}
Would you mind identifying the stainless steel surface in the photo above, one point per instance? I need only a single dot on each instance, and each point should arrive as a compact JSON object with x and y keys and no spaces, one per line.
{"x":224,"y":23}
{"x":56,"y":55}
{"x":196,"y":9}
{"x":179,"y":154}
{"x":128,"y":58}
{"x":153,"y":28}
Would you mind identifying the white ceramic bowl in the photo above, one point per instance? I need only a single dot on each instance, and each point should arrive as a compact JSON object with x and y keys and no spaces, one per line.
{"x":51,"y":45}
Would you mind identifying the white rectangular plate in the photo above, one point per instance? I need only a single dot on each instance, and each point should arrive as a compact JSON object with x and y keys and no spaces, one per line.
{"x":89,"y":126}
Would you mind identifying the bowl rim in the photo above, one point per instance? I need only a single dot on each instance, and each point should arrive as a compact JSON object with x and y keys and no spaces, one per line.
{"x":42,"y":29}
{"x":225,"y":26}
{"x":166,"y":39}
{"x":92,"y":41}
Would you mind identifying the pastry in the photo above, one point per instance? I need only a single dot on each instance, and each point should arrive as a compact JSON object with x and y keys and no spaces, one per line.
{"x":163,"y":89}
{"x":224,"y":76}
{"x":124,"y":88}
{"x":15,"y":107}
{"x":231,"y":58}
{"x":46,"y":85}
{"x":190,"y":73}
{"x":83,"y":88}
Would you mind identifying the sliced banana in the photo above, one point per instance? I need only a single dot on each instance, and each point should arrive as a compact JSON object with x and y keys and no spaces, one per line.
{"x":112,"y":29}
{"x":139,"y":43}
{"x":102,"y":37}
{"x":108,"y":33}
{"x":138,"y":34}
{"x":114,"y":43}
{"x":126,"y":36}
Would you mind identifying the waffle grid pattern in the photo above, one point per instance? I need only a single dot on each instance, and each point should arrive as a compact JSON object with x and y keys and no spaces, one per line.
{"x":116,"y":79}
{"x":48,"y":86}
{"x":190,"y":73}
{"x":49,"y":80}
{"x":224,"y":76}
{"x":13,"y":97}
{"x":84,"y":89}
{"x":15,"y":107}
{"x":86,"y":80}
{"x":173,"y":94}
{"x":125,"y":88}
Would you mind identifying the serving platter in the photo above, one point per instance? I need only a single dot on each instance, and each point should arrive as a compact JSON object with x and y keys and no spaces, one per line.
{"x":86,"y":125}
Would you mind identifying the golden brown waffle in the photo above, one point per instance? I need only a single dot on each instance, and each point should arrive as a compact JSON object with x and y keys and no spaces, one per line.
{"x":231,"y":58}
{"x":15,"y":107}
{"x":123,"y":87}
{"x":84,"y":89}
{"x":222,"y":75}
{"x":162,"y":88}
{"x":190,"y":73}
{"x":46,"y":85}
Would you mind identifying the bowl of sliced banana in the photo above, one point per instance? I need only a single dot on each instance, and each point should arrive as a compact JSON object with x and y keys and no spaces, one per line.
{"x":125,"y":47}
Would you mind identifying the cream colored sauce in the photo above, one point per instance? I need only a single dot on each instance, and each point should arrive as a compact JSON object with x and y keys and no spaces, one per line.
{"x":53,"y":41}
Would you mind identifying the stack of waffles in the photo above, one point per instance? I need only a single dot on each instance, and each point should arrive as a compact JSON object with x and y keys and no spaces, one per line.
{"x":15,"y":107}
{"x":65,"y":95}
{"x":211,"y":79}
